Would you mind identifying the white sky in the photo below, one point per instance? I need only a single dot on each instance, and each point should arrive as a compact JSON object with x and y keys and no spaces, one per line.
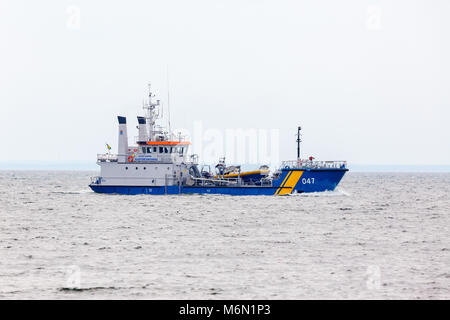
{"x":368,"y":80}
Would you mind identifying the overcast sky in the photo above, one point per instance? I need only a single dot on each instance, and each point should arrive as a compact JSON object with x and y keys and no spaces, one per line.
{"x":368,"y":80}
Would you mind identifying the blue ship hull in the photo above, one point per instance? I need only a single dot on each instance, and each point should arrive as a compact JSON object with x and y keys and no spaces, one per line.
{"x":290,"y":181}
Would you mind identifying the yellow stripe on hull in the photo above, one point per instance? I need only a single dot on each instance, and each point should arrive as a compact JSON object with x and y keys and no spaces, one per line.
{"x":290,"y":183}
{"x":284,"y":181}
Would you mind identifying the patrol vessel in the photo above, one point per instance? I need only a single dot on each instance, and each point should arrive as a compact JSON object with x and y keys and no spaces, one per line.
{"x":158,"y":163}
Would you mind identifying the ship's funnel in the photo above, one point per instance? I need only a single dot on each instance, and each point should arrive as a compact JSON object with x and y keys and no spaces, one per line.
{"x":123,"y":139}
{"x":143,"y":137}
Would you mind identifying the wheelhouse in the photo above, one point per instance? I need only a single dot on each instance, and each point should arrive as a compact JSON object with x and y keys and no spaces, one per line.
{"x":164,"y":151}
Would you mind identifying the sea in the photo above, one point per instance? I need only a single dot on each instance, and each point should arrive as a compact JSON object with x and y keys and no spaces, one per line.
{"x":377,"y":236}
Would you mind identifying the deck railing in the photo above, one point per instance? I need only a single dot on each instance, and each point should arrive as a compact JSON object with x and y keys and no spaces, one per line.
{"x":312,"y":164}
{"x":215,"y":181}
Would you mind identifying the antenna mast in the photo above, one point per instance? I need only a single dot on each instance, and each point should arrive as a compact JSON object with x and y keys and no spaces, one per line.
{"x":298,"y":143}
{"x":151,"y":115}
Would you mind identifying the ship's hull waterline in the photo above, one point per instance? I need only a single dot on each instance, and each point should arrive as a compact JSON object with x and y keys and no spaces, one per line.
{"x":291,"y":181}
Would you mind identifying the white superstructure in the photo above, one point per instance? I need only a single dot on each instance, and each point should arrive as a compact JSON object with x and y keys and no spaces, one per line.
{"x":154,"y":160}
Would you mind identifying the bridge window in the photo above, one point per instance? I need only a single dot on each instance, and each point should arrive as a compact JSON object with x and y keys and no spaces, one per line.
{"x":149,"y":149}
{"x":181,"y":149}
{"x":144,"y":149}
{"x":155,"y":149}
{"x":161,"y":149}
{"x":166,"y":150}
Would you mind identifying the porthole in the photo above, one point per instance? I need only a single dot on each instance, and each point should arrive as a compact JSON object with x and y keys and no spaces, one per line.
{"x":126,"y":168}
{"x":136,"y":168}
{"x":145,"y":168}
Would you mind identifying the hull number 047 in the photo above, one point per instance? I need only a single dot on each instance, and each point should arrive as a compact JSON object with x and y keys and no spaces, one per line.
{"x":308,"y":181}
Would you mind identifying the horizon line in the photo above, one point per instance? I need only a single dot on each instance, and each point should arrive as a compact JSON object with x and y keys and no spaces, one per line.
{"x":84,"y":165}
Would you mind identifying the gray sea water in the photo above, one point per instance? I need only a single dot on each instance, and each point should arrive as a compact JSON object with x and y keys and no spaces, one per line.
{"x":379,"y":236}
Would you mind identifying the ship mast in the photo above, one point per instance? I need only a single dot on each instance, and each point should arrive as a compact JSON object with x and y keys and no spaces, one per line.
{"x":298,"y":143}
{"x":152,"y":114}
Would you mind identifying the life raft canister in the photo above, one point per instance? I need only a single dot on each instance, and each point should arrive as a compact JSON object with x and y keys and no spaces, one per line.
{"x":130,"y":159}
